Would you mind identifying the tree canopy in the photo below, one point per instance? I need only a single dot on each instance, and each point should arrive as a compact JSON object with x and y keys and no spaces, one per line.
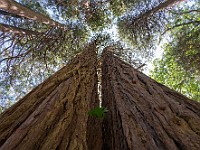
{"x":168,"y":72}
{"x":39,"y":37}
{"x":179,"y":66}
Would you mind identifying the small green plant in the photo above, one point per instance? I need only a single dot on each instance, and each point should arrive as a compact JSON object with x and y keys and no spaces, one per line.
{"x":98,"y":112}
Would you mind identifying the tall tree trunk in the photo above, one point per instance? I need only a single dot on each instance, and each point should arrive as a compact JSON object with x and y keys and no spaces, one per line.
{"x":25,"y":32}
{"x":15,"y":8}
{"x":54,"y":114}
{"x":17,"y":31}
{"x":156,"y":9}
{"x":144,"y":114}
{"x":7,"y":14}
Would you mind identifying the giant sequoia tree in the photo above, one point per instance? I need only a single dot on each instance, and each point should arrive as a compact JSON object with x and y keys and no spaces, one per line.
{"x":38,"y":38}
{"x":143,"y":114}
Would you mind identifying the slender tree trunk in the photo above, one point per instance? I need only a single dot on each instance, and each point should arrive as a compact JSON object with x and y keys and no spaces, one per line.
{"x":9,"y":14}
{"x":24,"y":32}
{"x":144,"y":114}
{"x":156,"y":9}
{"x":15,"y":30}
{"x":18,"y":9}
{"x":54,"y":114}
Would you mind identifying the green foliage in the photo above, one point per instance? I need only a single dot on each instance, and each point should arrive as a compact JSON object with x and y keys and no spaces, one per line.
{"x":117,"y":7}
{"x":141,"y":25}
{"x":185,"y":39}
{"x":179,"y":68}
{"x":168,"y":72}
{"x":34,"y":5}
{"x":64,"y":9}
{"x":98,"y":112}
{"x":97,"y":19}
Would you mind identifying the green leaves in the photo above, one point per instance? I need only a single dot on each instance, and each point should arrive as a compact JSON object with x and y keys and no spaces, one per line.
{"x":98,"y":112}
{"x":170,"y":73}
{"x":179,"y":68}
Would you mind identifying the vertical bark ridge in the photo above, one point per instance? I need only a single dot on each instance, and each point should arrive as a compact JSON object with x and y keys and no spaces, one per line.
{"x":54,"y":114}
{"x":144,"y":114}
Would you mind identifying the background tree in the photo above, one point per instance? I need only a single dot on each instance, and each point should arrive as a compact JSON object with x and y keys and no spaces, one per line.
{"x":184,"y":42}
{"x":29,"y":57}
{"x":179,"y":66}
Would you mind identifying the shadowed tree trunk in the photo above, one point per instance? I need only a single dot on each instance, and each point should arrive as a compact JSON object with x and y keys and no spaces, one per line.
{"x":144,"y":114}
{"x":7,"y":14}
{"x":17,"y":31}
{"x":54,"y":114}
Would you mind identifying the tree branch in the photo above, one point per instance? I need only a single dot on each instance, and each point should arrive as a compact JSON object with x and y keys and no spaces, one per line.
{"x":182,"y":24}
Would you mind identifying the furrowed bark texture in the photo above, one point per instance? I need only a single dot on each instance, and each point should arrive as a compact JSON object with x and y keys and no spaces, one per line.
{"x":54,"y":114}
{"x":144,"y":114}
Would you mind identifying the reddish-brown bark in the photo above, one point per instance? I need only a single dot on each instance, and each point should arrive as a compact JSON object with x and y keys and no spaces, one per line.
{"x":14,"y":7}
{"x":161,"y":6}
{"x":16,"y":30}
{"x":144,"y":114}
{"x":54,"y":114}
